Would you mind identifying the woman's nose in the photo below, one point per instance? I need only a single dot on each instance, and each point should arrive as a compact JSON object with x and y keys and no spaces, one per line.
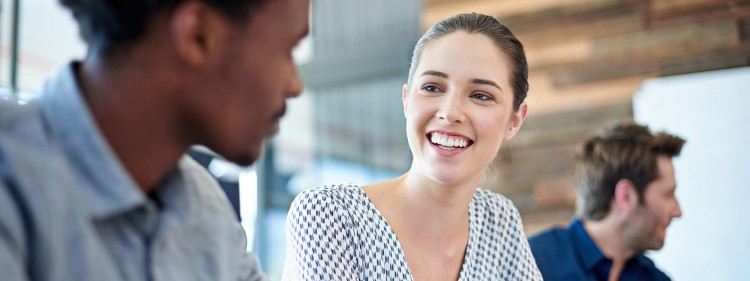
{"x":451,"y":109}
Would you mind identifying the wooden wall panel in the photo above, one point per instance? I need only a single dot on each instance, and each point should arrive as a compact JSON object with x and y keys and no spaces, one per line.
{"x":536,"y":168}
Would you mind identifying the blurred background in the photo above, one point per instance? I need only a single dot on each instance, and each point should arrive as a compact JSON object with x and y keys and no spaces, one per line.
{"x":675,"y":65}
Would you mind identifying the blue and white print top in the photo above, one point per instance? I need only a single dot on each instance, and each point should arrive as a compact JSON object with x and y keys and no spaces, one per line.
{"x":336,"y":233}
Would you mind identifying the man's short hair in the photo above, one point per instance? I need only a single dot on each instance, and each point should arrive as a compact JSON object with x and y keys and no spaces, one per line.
{"x":107,"y":25}
{"x":626,"y":151}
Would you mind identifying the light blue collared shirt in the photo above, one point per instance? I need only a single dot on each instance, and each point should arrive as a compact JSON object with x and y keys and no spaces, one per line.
{"x":70,"y":211}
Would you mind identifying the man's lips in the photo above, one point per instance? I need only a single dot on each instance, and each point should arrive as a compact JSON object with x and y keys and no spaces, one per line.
{"x":277,"y":119}
{"x":280,"y":113}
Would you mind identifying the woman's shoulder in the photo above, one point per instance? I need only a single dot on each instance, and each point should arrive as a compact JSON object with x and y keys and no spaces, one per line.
{"x":347,"y":191}
{"x":491,"y":200}
{"x":339,"y":209}
{"x":495,"y":214}
{"x":494,"y":208}
{"x":345,"y":195}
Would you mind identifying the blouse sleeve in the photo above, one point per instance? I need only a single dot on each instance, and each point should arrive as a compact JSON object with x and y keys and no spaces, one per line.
{"x":320,"y":244}
{"x":527,"y":268}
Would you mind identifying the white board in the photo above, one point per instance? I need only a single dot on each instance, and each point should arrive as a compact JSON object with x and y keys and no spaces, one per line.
{"x":711,"y":110}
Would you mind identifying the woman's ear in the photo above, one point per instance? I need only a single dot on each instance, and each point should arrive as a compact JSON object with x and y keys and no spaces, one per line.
{"x":516,"y":120}
{"x":404,"y":93}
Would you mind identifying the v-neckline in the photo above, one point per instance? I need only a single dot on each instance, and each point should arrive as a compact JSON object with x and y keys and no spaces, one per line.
{"x":469,"y":245}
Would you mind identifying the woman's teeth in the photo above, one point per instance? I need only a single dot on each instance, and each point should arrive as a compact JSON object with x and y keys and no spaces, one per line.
{"x":448,"y":141}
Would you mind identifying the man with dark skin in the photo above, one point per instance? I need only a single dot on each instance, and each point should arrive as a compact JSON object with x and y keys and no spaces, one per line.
{"x":94,"y":181}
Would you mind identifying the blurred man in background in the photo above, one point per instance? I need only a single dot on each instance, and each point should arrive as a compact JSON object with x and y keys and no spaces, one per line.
{"x":94,"y":184}
{"x":626,"y":200}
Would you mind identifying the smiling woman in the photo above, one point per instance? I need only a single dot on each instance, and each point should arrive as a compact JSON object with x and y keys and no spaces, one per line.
{"x":461,"y":92}
{"x":464,"y":97}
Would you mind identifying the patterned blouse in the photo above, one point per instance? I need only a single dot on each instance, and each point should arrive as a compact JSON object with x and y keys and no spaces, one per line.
{"x":336,"y":233}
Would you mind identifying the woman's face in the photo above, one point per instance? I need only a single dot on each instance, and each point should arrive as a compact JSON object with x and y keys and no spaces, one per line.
{"x":459,"y":108}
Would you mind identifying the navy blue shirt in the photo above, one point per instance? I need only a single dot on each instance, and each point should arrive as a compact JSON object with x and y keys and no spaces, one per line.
{"x":570,"y":254}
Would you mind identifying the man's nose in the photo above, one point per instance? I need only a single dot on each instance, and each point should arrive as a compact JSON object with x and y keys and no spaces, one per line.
{"x":677,"y":210}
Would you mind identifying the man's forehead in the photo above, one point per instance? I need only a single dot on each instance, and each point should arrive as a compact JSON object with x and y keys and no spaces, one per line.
{"x":666,"y":177}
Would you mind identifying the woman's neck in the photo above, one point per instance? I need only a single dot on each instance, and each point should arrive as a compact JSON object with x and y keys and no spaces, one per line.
{"x":421,"y":203}
{"x":431,"y":222}
{"x":443,"y":200}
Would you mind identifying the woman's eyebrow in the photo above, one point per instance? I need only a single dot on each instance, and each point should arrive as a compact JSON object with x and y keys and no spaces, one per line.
{"x":473,"y":81}
{"x":486,"y":82}
{"x":434,"y":73}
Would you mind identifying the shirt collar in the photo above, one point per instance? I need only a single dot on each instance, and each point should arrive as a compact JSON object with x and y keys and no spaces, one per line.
{"x":109,"y":187}
{"x":642,"y":260}
{"x":587,"y":252}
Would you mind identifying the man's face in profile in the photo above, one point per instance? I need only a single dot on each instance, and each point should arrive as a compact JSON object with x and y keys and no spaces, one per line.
{"x":647,"y":227}
{"x":255,"y":77}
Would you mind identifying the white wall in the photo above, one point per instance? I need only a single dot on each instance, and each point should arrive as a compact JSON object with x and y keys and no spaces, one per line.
{"x":48,"y":38}
{"x":712,"y":111}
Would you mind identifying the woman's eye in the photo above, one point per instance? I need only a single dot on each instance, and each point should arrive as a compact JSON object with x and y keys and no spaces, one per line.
{"x":430,"y":88}
{"x":482,"y":96}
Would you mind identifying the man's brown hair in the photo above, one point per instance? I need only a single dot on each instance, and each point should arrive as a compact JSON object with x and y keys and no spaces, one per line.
{"x":626,"y":151}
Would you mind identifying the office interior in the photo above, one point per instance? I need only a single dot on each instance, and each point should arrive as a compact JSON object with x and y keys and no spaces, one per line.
{"x":675,"y":65}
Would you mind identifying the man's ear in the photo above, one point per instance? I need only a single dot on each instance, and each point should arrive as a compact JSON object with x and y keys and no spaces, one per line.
{"x":404,"y":94}
{"x":516,"y":120}
{"x":198,"y":32}
{"x":626,"y":197}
